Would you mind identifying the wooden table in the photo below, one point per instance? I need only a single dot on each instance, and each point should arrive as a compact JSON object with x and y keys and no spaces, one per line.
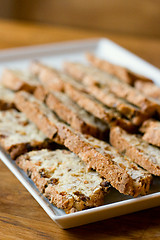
{"x":20,"y":215}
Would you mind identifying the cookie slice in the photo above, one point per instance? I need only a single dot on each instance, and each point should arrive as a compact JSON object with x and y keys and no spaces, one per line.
{"x":123,"y":174}
{"x":19,"y":80}
{"x":92,"y":76}
{"x":37,"y":112}
{"x":58,"y":81}
{"x":121,"y":73}
{"x":90,"y":104}
{"x":109,"y":99}
{"x":151,"y":130}
{"x":64,"y":179}
{"x":72,"y":113}
{"x":149,"y":89}
{"x":6,"y":98}
{"x":52,"y":78}
{"x":76,"y":142}
{"x":18,"y":135}
{"x":139,"y":151}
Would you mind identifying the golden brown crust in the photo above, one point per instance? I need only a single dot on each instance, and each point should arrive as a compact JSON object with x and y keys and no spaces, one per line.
{"x":122,"y":73}
{"x":135,"y":148}
{"x":69,"y":204}
{"x":151,"y":130}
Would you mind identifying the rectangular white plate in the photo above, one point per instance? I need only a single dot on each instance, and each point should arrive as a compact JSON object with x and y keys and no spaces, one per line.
{"x":116,"y":204}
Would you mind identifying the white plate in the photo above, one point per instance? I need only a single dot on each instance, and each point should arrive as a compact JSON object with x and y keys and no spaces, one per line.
{"x":116,"y":204}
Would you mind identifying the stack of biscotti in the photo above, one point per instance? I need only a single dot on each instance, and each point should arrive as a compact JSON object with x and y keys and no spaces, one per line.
{"x":145,"y":87}
{"x":143,"y":84}
{"x":58,"y":81}
{"x":119,"y":72}
{"x":98,"y":155}
{"x":59,"y":174}
{"x":72,"y":113}
{"x":92,"y":76}
{"x":54,"y":79}
{"x":76,"y":109}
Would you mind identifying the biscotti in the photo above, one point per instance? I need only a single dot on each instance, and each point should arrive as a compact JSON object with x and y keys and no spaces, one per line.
{"x":92,"y":76}
{"x":109,"y":99}
{"x":17,"y":134}
{"x":121,"y":73}
{"x":6,"y":98}
{"x":58,"y":81}
{"x":145,"y":155}
{"x":124,"y":175}
{"x":90,"y":104}
{"x":72,"y":113}
{"x":19,"y":80}
{"x":64,"y":179}
{"x":77,"y":143}
{"x":37,"y":112}
{"x":149,"y":89}
{"x":151,"y":130}
{"x":52,"y":78}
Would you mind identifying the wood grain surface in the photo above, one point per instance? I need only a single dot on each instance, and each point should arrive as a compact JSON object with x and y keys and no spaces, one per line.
{"x":21,"y":217}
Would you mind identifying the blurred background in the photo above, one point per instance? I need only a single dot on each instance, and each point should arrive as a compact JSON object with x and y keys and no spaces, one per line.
{"x":140,"y":18}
